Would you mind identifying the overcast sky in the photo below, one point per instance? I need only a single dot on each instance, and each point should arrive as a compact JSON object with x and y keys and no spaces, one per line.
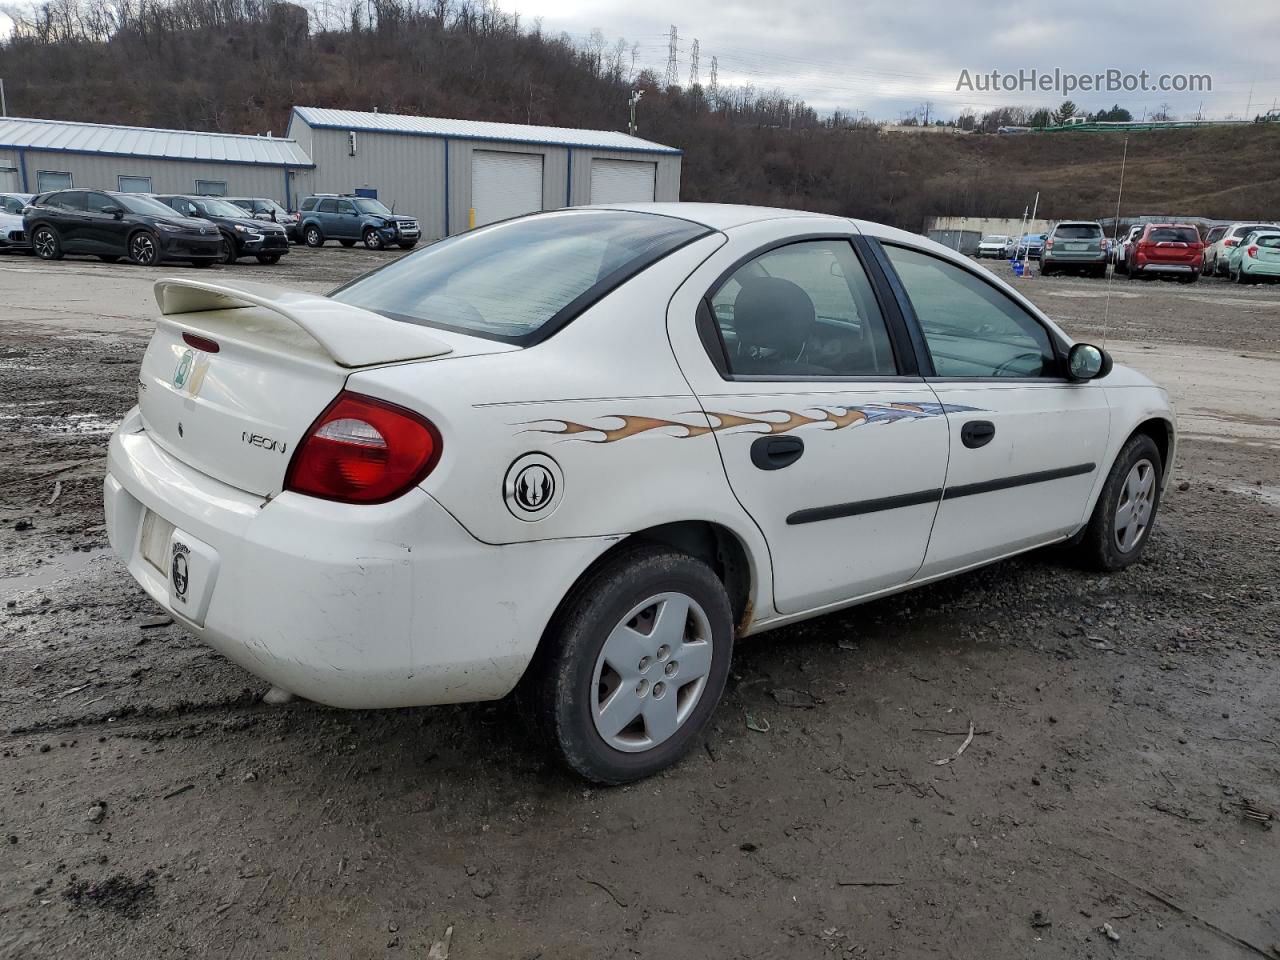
{"x":889,"y":56}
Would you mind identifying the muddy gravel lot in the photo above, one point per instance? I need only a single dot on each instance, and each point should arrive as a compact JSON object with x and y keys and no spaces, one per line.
{"x":1116,"y":800}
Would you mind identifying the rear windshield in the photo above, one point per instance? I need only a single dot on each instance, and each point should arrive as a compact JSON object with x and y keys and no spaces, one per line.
{"x":1271,"y":240}
{"x":510,"y":280}
{"x":1174,"y":235}
{"x":1077,"y":231}
{"x":1245,"y":231}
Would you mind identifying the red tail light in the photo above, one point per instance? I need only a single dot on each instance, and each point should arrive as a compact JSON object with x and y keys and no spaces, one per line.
{"x":1230,"y":242}
{"x":1049,"y":244}
{"x":1253,"y":252}
{"x":363,"y":450}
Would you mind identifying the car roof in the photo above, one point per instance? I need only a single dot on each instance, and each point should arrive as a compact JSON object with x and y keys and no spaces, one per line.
{"x":718,"y":216}
{"x":1077,"y":223}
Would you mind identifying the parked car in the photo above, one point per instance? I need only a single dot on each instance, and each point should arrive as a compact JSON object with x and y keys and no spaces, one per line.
{"x":264,"y":208}
{"x":112,"y":225}
{"x":1029,"y":245}
{"x":1211,"y":248}
{"x":242,"y":235}
{"x":1256,"y":258}
{"x":1171,"y":249}
{"x":422,"y":508}
{"x":12,"y":234}
{"x":1124,"y":248}
{"x":1075,"y":245}
{"x":348,"y":219}
{"x":1232,"y":237}
{"x":993,"y":245}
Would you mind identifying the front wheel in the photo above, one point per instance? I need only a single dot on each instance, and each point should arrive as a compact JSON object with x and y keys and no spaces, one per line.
{"x":373,"y":240}
{"x":46,"y":243}
{"x":1126,"y":508}
{"x":229,"y":254}
{"x":312,"y":236}
{"x":633,"y":664}
{"x":144,"y":249}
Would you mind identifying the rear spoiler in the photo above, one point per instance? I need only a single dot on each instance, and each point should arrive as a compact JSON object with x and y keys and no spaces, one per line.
{"x":352,"y":336}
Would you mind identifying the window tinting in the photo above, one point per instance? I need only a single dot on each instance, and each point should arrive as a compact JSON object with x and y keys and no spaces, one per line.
{"x":509,"y":280}
{"x":1077,"y":231}
{"x":99,"y":202}
{"x":69,"y":200}
{"x":1173,"y":235}
{"x":346,"y":206}
{"x":803,"y":310}
{"x":971,"y":328}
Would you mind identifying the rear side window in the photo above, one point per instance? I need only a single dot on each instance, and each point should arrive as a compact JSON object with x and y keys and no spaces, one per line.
{"x":1173,"y":235}
{"x":520,"y":280}
{"x":1077,"y":231}
{"x":69,"y":200}
{"x":1215,"y":234}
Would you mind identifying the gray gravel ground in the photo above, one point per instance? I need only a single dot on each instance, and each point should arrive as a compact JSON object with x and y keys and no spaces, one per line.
{"x":151,"y":806}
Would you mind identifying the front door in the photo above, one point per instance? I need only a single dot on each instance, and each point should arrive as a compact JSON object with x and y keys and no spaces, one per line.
{"x":1027,"y":444}
{"x":346,"y":223}
{"x":831,"y":444}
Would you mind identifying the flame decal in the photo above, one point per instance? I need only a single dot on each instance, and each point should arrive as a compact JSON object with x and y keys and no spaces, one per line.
{"x":834,"y":417}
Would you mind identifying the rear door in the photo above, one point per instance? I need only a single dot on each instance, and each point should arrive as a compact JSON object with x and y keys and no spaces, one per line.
{"x":830,"y":441}
{"x":326,"y":214}
{"x":71,"y":220}
{"x":1026,"y":444}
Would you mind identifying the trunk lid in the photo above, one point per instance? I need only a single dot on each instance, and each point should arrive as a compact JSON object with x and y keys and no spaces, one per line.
{"x":235,"y":374}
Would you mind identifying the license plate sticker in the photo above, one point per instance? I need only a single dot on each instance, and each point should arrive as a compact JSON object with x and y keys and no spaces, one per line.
{"x":156,"y":532}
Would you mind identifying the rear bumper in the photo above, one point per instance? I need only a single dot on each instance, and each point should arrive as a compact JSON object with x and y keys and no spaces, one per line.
{"x":1083,"y":259}
{"x":1260,"y":268}
{"x":1147,"y":267}
{"x":353,"y":606}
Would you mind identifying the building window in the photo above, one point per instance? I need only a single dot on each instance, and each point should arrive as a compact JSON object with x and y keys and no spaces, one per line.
{"x":134,"y":184}
{"x":211,"y":188}
{"x":52,"y":180}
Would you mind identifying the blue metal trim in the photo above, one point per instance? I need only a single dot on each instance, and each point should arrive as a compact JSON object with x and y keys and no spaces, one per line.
{"x":22,"y":166}
{"x":156,"y":156}
{"x":668,"y":151}
{"x":446,"y":186}
{"x":568,"y":182}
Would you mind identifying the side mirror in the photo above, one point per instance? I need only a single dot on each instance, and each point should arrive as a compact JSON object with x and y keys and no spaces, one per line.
{"x":1087,"y":362}
{"x":115,"y":211}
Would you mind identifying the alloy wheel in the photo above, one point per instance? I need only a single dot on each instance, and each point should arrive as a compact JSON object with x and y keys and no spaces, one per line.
{"x":651,"y":672}
{"x":142,"y":248}
{"x":46,"y":245}
{"x":1134,"y":509}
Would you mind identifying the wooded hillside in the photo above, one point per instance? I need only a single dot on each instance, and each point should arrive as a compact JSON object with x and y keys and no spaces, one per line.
{"x":239,"y":65}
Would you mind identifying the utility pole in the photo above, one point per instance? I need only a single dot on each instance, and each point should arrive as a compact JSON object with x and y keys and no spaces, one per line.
{"x":693,"y":66}
{"x":635,"y":98}
{"x":672,"y":78}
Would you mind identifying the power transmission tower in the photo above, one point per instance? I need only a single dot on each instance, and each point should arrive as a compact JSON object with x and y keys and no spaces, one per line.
{"x":713,"y":88}
{"x":672,"y":79}
{"x":693,"y":66}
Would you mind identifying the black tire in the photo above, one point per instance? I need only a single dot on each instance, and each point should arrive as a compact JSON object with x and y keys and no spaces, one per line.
{"x":46,"y":243}
{"x":1099,"y":548}
{"x":229,"y":252}
{"x":1194,"y":278}
{"x":1046,"y":269}
{"x":347,"y":243}
{"x":312,"y":236}
{"x":268,"y":258}
{"x":560,"y":689}
{"x":144,"y":249}
{"x":1238,"y":276}
{"x":409,"y":245}
{"x":108,"y":258}
{"x":373,"y":240}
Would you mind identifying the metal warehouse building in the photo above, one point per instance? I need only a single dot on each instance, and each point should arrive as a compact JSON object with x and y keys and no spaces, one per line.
{"x":454,"y":174}
{"x":39,"y":155}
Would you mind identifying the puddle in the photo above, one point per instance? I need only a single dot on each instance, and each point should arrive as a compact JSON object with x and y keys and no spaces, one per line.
{"x":50,"y":572}
{"x":1268,"y":495}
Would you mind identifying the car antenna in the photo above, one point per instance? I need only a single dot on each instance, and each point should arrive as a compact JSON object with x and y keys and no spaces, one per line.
{"x":1115,"y":235}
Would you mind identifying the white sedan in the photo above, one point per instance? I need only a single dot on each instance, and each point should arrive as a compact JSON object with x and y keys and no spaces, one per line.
{"x":583,"y":451}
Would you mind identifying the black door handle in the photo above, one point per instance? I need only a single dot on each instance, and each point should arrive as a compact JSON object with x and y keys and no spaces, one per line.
{"x":977,"y":433}
{"x":774,"y":453}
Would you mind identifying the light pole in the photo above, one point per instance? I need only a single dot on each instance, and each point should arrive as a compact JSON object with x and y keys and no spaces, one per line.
{"x":635,"y":98}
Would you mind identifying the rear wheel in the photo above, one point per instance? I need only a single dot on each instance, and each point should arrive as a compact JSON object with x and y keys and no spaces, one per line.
{"x":1239,"y":276}
{"x":633,"y":664}
{"x":312,"y":236}
{"x":46,"y":243}
{"x":1126,"y":508}
{"x":144,"y":249}
{"x":373,"y":240}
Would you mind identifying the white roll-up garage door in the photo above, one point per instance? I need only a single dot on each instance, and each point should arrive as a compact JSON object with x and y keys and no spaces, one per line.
{"x":505,"y":184}
{"x":622,"y":181}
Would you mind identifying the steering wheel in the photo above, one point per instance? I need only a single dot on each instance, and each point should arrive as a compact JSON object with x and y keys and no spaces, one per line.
{"x":1034,"y":354}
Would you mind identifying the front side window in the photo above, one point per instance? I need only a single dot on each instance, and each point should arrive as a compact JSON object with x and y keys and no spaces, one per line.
{"x":347,"y":207}
{"x":971,"y":328}
{"x":99,"y":202}
{"x":511,"y":280}
{"x":803,"y":310}
{"x":52,"y":180}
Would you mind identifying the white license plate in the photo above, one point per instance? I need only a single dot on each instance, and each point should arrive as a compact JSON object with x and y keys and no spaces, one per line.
{"x":156,"y":532}
{"x":1077,"y":246}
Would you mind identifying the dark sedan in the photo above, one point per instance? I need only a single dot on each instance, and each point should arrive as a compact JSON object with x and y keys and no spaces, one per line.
{"x":112,"y":226}
{"x":242,"y":235}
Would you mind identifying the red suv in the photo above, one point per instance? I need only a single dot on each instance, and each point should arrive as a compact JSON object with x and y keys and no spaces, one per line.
{"x":1174,"y":249}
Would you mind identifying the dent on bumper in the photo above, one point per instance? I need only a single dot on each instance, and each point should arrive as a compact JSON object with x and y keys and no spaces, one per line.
{"x":353,"y":606}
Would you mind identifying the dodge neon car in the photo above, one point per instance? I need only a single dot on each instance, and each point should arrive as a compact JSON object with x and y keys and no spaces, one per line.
{"x":584,"y":451}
